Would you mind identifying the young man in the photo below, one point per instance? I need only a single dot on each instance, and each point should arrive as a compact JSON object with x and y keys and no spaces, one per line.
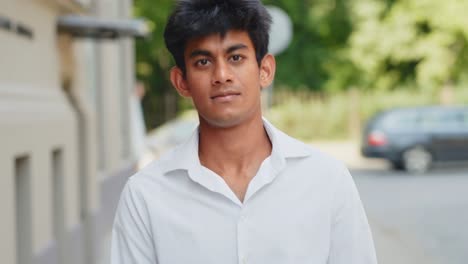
{"x":239,"y":191}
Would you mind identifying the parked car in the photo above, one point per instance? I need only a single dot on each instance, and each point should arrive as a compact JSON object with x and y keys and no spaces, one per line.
{"x":414,"y":138}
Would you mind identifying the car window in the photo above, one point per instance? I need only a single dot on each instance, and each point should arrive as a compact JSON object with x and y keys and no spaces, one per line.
{"x":402,"y":120}
{"x":441,"y":120}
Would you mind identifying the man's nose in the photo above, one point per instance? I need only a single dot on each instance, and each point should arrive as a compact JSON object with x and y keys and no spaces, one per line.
{"x":222,"y":73}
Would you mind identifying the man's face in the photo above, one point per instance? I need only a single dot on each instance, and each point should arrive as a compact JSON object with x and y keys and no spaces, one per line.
{"x":223,"y":78}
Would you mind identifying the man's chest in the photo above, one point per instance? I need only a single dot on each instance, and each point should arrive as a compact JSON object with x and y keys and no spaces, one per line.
{"x":271,"y":227}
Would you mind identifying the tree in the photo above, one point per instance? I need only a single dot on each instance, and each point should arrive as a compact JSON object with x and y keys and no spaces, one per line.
{"x":317,"y":57}
{"x":419,"y":43}
{"x":153,"y":63}
{"x":337,"y":44}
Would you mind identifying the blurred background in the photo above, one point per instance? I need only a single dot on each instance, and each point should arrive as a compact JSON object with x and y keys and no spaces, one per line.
{"x":85,"y":101}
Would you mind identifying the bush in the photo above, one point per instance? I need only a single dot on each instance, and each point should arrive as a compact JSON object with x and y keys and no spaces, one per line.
{"x":337,"y":116}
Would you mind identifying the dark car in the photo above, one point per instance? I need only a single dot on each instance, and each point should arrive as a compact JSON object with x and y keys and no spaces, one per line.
{"x":414,"y":138}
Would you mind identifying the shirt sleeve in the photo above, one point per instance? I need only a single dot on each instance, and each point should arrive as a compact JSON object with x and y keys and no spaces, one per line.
{"x":351,"y":237}
{"x":131,"y":236}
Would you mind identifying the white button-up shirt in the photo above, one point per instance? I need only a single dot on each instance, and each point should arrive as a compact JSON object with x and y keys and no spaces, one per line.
{"x":301,"y":207}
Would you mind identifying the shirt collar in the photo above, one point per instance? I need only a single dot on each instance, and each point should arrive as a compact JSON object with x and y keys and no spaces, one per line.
{"x":283,"y":145}
{"x":185,"y":156}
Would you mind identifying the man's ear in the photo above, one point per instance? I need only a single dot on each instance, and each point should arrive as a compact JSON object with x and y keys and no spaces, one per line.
{"x":179,"y":82}
{"x":267,"y":70}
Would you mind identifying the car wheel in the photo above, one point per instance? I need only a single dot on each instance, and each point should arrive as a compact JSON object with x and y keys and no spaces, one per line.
{"x":417,"y":159}
{"x":398,"y":165}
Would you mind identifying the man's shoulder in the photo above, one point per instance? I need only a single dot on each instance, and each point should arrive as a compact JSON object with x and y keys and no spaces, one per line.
{"x":154,"y":169}
{"x":314,"y":160}
{"x":310,"y":151}
{"x":319,"y":157}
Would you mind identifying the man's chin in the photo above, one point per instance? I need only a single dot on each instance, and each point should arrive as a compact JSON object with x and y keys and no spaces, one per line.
{"x":222,"y":123}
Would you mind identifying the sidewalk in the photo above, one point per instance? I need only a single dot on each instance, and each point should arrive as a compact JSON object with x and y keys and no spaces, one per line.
{"x":104,"y":257}
{"x":393,"y":247}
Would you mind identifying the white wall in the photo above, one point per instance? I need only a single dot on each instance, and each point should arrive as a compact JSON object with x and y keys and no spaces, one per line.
{"x":37,"y":118}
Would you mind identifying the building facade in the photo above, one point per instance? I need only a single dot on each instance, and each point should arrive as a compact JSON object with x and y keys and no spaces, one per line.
{"x":65,"y":129}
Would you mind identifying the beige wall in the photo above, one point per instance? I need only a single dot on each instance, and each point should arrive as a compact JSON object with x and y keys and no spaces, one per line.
{"x":29,"y":61}
{"x":37,"y":118}
{"x":116,"y":80}
{"x":34,"y":136}
{"x":84,"y":85}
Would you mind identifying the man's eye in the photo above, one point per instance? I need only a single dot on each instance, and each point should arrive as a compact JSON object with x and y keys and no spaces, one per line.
{"x":236,"y":57}
{"x":202,"y":62}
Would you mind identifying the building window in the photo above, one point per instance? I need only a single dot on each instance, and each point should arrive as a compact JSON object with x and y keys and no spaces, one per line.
{"x":23,"y":210}
{"x":58,"y":201}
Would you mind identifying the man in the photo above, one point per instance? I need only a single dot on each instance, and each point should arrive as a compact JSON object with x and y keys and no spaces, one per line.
{"x":239,"y":191}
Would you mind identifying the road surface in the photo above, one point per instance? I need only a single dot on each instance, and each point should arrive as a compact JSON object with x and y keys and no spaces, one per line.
{"x":417,"y":219}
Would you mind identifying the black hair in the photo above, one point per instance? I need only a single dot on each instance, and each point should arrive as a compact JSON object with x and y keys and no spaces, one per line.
{"x":199,"y":18}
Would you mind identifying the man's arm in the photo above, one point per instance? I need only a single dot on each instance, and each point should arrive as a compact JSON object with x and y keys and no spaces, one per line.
{"x":351,"y":238}
{"x":131,"y":237}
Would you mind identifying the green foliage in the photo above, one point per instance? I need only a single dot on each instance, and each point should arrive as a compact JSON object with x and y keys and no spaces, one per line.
{"x":374,"y":44}
{"x":317,"y":57}
{"x":153,"y":63}
{"x":337,"y":45}
{"x":422,"y":43}
{"x":313,"y":116}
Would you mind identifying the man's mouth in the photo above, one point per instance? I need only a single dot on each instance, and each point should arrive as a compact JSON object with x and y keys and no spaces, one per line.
{"x":225,"y":97}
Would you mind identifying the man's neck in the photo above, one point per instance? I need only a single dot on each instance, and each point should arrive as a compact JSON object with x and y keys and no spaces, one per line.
{"x":236,"y":151}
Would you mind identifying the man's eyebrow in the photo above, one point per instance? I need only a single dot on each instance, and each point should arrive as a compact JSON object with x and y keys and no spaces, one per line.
{"x":206,"y":53}
{"x":199,"y":52}
{"x":236,"y":47}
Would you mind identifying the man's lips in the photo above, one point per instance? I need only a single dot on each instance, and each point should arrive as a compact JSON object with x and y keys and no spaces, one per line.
{"x":225,"y":96}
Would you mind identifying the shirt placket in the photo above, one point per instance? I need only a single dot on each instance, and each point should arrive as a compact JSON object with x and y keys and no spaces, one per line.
{"x":242,"y":239}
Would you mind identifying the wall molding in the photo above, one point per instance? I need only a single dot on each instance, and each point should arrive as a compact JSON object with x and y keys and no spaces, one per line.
{"x":15,"y":27}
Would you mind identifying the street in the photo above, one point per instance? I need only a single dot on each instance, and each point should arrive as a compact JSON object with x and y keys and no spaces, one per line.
{"x":417,"y":218}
